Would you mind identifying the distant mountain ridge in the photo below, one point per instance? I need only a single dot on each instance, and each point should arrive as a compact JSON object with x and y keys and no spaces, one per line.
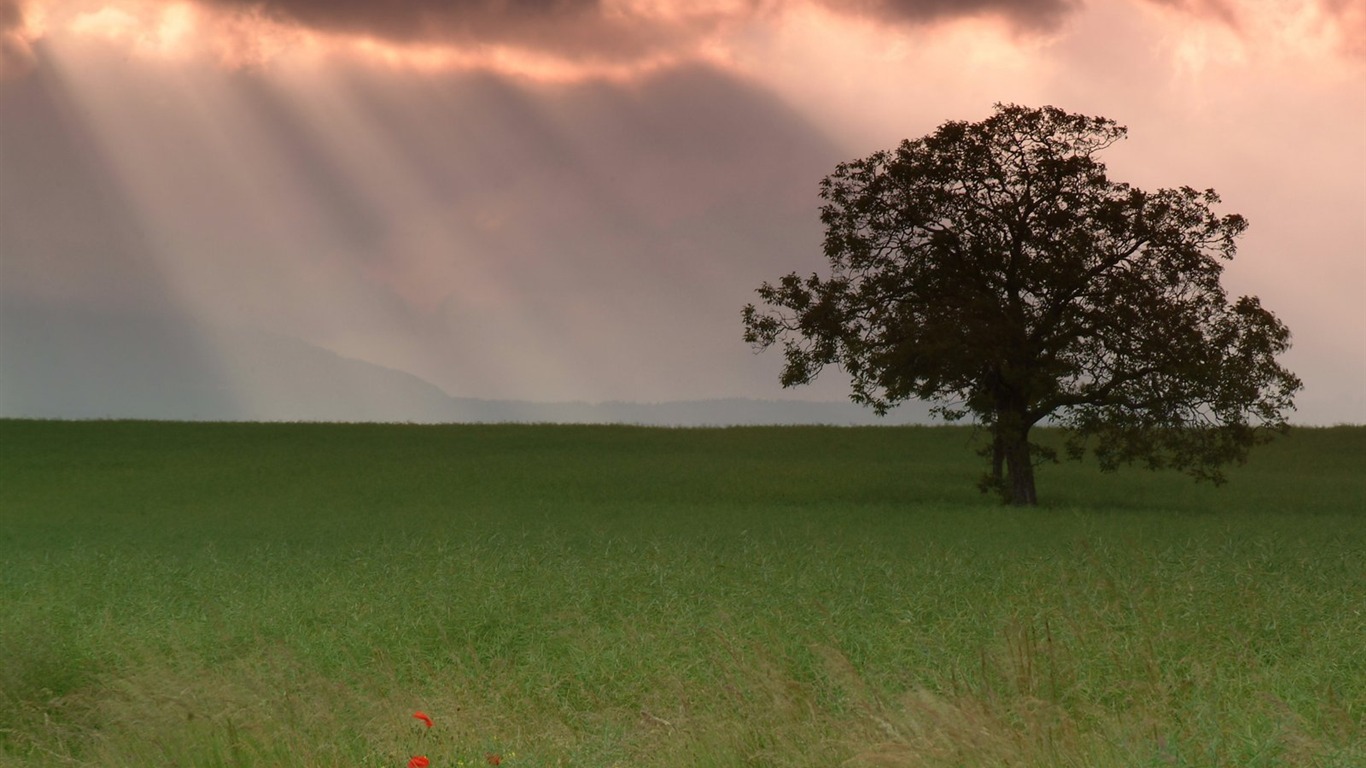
{"x":75,"y":365}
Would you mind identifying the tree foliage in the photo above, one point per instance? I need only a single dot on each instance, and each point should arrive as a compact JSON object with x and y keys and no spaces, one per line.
{"x":994,"y":269}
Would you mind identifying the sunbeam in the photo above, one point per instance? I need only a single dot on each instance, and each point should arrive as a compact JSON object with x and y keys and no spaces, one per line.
{"x":572,"y":201}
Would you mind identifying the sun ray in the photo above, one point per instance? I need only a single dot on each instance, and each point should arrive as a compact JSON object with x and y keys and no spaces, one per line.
{"x":236,"y":234}
{"x":449,"y":246}
{"x":459,"y":208}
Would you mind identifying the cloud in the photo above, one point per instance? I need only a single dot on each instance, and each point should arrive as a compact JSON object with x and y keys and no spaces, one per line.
{"x":1349,"y":18}
{"x":1219,"y":10}
{"x":605,"y":30}
{"x":573,"y":22}
{"x":613,"y":30}
{"x":419,"y":19}
{"x":16,"y":51}
{"x":1271,"y":26}
{"x":571,"y":40}
{"x":1024,"y":14}
{"x":548,"y":40}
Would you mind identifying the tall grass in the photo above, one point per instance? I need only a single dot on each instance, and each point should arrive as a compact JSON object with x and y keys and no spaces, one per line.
{"x":261,"y":595}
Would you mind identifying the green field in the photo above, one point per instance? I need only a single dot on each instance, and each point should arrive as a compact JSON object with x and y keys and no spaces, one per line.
{"x":288,"y":595}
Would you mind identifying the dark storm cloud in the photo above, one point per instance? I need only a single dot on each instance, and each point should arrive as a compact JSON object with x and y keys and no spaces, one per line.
{"x":598,"y":29}
{"x":420,"y":20}
{"x":578,"y":29}
{"x":1026,"y":14}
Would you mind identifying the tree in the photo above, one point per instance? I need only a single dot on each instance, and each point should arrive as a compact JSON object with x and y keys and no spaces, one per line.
{"x":994,"y":269}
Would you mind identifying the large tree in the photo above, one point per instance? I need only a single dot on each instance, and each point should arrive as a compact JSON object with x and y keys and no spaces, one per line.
{"x":994,"y":269}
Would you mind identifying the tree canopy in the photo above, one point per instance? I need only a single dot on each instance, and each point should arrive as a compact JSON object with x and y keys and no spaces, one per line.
{"x":994,"y":269}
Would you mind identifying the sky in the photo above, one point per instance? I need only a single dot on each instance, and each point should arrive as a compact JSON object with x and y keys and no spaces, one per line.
{"x":572,"y":200}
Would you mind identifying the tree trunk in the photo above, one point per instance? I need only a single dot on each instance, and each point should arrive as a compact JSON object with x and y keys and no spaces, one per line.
{"x":998,"y":458}
{"x":1011,"y":442}
{"x":1020,"y":466}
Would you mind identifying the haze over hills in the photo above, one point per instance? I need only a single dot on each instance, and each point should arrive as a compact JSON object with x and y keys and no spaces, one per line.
{"x":582,"y":216}
{"x":93,"y":366}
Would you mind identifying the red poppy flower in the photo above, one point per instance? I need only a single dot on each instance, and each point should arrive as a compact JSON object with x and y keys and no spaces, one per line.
{"x":420,"y":761}
{"x":423,"y":717}
{"x":494,"y":758}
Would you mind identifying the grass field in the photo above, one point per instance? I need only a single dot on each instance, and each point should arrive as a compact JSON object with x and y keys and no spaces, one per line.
{"x":288,"y":595}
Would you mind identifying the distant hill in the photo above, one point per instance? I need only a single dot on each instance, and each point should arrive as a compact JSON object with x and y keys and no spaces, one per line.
{"x":88,"y":365}
{"x":689,"y":413}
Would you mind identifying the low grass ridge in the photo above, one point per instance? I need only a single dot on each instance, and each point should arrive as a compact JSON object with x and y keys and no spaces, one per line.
{"x":259,"y":595}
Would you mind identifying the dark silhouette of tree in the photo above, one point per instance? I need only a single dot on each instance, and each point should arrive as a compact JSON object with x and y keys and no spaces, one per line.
{"x":994,"y":269}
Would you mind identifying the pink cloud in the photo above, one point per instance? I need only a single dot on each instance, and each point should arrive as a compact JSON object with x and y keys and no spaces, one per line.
{"x":16,"y":52}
